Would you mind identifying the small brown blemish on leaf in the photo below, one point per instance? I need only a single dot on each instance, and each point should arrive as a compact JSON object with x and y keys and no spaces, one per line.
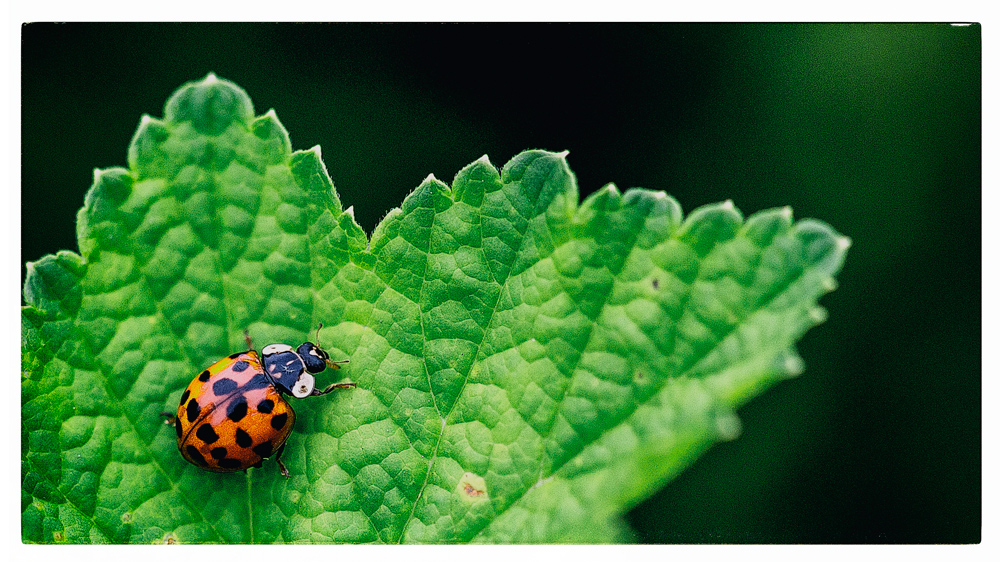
{"x":638,"y":375}
{"x":126,"y":517}
{"x":656,"y":283}
{"x":169,"y":538}
{"x":58,"y":536}
{"x":472,"y":487}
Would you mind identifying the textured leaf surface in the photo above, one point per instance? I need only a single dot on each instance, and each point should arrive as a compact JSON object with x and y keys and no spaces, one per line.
{"x":528,"y":366}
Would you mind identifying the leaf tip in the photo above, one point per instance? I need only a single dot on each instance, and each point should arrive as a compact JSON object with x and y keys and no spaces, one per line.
{"x":818,"y":314}
{"x":829,"y":284}
{"x":728,"y":426}
{"x":435,"y":184}
{"x":269,"y":129}
{"x":710,"y":224}
{"x":824,"y":247}
{"x":211,"y":104}
{"x":791,"y":365}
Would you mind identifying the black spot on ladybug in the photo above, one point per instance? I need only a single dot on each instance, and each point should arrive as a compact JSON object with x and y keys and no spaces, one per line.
{"x":278,"y":421}
{"x":259,"y":381}
{"x":238,"y":410}
{"x":265,"y":406}
{"x":264,"y":450}
{"x":236,"y":355}
{"x":196,"y":456}
{"x":230,"y":463}
{"x":240,"y":366}
{"x":218,"y":453}
{"x":207,"y":434}
{"x":204,"y":375}
{"x":185,"y":396}
{"x":180,"y":431}
{"x":224,"y":386}
{"x":243,"y":438}
{"x":258,"y":464}
{"x":193,"y":410}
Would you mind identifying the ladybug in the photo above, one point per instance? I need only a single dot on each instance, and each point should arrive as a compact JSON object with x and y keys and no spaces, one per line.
{"x":233,"y":415}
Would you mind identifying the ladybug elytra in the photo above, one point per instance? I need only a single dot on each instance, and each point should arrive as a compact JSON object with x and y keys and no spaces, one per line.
{"x":233,"y":415}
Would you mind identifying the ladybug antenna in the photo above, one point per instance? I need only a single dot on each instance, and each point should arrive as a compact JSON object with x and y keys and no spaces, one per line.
{"x":246,"y":336}
{"x":329,"y":363}
{"x":336,"y":364}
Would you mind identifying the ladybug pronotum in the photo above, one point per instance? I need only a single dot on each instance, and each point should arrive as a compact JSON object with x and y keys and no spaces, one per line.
{"x":233,"y":415}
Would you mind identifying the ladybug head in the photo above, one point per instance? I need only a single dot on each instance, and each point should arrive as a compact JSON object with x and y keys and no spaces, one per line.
{"x":315,"y":359}
{"x":290,"y":370}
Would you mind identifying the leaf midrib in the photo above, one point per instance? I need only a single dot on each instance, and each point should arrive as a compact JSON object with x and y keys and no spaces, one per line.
{"x":178,"y":339}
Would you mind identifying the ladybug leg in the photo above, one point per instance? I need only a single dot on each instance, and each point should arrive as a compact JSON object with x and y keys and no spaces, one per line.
{"x":281,"y":465}
{"x":246,"y":336}
{"x":332,"y":387}
{"x":170,"y":418}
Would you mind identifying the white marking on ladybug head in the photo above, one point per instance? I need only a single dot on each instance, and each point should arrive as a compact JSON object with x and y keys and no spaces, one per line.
{"x":304,"y":386}
{"x":276,"y":348}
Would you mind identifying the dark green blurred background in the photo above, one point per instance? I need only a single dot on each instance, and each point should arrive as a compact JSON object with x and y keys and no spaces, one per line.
{"x":872,"y":128}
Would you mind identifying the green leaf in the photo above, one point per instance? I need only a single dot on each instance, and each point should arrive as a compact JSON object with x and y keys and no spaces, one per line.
{"x":528,"y":366}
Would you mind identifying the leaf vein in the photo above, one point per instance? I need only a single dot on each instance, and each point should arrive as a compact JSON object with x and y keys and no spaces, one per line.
{"x":763,"y":305}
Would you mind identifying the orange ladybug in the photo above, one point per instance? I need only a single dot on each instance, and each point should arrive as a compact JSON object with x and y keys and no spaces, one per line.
{"x":234,"y":415}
